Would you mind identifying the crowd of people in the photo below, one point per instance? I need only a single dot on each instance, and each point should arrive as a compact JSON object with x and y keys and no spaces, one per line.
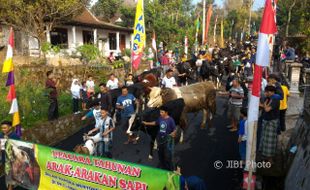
{"x":235,"y":65}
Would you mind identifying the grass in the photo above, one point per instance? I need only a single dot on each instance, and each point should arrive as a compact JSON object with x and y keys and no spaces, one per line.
{"x":32,"y":102}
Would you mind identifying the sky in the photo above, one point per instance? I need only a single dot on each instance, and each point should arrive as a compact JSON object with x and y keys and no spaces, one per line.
{"x":257,"y":3}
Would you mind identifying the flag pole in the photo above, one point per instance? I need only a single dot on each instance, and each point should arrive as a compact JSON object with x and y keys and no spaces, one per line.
{"x":203,"y":23}
{"x":252,"y":155}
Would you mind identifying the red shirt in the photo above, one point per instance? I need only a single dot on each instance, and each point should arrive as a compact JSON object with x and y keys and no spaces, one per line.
{"x":51,"y":87}
{"x":164,"y":60}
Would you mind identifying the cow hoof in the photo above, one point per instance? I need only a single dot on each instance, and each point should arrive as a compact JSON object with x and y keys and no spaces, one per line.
{"x":150,"y":157}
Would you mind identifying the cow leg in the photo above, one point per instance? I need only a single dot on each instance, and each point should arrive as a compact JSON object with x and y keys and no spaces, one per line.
{"x":183,"y":125}
{"x":153,"y":146}
{"x":204,"y":119}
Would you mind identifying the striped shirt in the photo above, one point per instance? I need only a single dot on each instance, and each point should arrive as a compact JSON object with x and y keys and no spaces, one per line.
{"x":236,"y":101}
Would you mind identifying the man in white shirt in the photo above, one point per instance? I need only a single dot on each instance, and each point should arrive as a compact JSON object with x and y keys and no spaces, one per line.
{"x":113,"y":82}
{"x":169,"y":81}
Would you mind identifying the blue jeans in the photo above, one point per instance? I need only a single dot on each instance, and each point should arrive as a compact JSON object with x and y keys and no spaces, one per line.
{"x":242,"y":149}
{"x":104,"y":149}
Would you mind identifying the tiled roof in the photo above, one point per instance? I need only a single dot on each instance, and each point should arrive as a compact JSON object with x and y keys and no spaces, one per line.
{"x":88,"y":19}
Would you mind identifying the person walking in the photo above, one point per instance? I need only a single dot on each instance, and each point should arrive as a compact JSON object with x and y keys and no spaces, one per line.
{"x":105,"y":98}
{"x":51,"y":85}
{"x":165,"y":138}
{"x":125,"y":103}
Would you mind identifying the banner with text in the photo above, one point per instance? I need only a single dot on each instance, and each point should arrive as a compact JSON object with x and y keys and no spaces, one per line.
{"x":34,"y":166}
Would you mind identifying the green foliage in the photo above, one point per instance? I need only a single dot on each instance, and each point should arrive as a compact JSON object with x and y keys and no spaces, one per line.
{"x":48,"y":47}
{"x":32,"y":102}
{"x":36,"y":17}
{"x":118,"y":64}
{"x":88,"y":52}
{"x":106,"y":9}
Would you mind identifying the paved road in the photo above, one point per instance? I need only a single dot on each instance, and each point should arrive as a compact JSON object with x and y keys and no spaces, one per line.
{"x":197,"y":154}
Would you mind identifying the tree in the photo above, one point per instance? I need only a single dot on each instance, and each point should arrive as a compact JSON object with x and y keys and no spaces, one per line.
{"x":37,"y":17}
{"x":106,"y":9}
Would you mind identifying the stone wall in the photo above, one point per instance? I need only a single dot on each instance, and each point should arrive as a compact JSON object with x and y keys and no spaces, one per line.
{"x":37,"y":74}
{"x":53,"y":132}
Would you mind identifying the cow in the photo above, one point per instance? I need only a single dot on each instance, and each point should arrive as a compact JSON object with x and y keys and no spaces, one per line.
{"x":175,"y":109}
{"x":147,"y":76}
{"x":198,"y":96}
{"x":186,"y":69}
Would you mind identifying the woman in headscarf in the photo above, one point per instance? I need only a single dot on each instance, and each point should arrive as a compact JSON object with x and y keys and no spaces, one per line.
{"x":75,"y":91}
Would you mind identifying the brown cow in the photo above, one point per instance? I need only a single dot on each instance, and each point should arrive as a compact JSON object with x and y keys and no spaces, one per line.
{"x":199,"y":96}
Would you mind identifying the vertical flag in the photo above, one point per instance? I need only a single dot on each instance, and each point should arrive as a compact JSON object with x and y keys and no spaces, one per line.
{"x":222,"y":33}
{"x":209,"y":14}
{"x":197,"y":32}
{"x":154,"y":42}
{"x":138,"y":36}
{"x":186,"y":46}
{"x":214,"y":32}
{"x":11,"y":97}
{"x":8,"y":62}
{"x":267,"y":29}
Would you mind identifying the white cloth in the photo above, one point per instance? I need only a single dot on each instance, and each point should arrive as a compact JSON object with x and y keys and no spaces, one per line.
{"x":90,"y":145}
{"x":75,"y":89}
{"x":90,"y":85}
{"x":169,"y":82}
{"x":245,"y":136}
{"x":112,"y":84}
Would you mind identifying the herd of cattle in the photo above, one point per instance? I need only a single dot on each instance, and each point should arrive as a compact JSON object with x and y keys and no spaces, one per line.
{"x":199,"y":96}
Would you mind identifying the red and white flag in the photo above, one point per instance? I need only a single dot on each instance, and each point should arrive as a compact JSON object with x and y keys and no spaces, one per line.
{"x":154,"y":42}
{"x":265,"y":42}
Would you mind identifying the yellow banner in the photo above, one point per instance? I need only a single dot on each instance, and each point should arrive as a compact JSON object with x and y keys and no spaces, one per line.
{"x":139,"y":35}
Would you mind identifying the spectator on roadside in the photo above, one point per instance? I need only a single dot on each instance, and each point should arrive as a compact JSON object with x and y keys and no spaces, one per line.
{"x":83,"y":95}
{"x":129,"y":80}
{"x":283,"y":108}
{"x":273,"y":80}
{"x":51,"y":86}
{"x":125,"y":103}
{"x":236,"y":95}
{"x":75,"y":92}
{"x":169,"y":81}
{"x":150,"y":58}
{"x":112,"y":82}
{"x":290,"y":53}
{"x":165,"y":62}
{"x":270,"y":119}
{"x":90,"y":86}
{"x":111,"y":57}
{"x":105,"y":98}
{"x":165,"y":138}
{"x":243,"y":133}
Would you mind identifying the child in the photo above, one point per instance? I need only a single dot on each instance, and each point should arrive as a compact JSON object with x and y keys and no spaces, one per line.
{"x":75,"y":91}
{"x":243,"y":132}
{"x":83,"y":95}
{"x":90,"y":86}
{"x":129,"y":80}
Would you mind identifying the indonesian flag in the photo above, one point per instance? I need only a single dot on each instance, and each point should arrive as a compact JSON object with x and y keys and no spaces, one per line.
{"x":265,"y":42}
{"x":154,"y":42}
{"x":8,"y":62}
